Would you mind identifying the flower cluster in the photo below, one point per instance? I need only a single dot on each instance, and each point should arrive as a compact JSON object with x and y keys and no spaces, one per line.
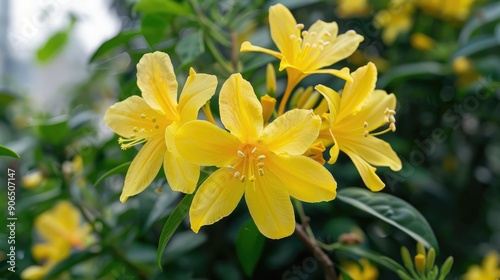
{"x":267,"y":162}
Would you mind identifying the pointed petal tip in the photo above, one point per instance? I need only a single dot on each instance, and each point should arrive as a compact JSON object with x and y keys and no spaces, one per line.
{"x":124,"y":198}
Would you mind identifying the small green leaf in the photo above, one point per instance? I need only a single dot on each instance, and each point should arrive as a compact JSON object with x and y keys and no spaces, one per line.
{"x":4,"y":151}
{"x":249,"y":245}
{"x":122,"y":168}
{"x":477,"y":45}
{"x":154,"y":28}
{"x":163,"y":6}
{"x":482,"y":16}
{"x":392,"y":210}
{"x":55,"y":44}
{"x":190,"y":47}
{"x":68,"y":263}
{"x":54,"y":130}
{"x":119,"y":40}
{"x":173,"y":222}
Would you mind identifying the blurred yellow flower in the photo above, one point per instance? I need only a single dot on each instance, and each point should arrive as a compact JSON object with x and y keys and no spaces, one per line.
{"x":354,"y":117}
{"x":363,"y":270}
{"x":489,"y":270}
{"x":264,"y":163}
{"x":305,"y":52}
{"x":352,"y":8}
{"x":421,"y":42}
{"x":153,"y":120}
{"x":395,"y":20}
{"x":466,"y":74}
{"x":62,"y":230}
{"x":32,"y":179}
{"x":447,"y":9}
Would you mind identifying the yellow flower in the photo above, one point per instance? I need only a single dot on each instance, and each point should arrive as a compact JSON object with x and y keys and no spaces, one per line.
{"x":32,"y":179}
{"x":354,"y":117}
{"x":447,"y":9}
{"x":395,"y":20}
{"x":264,"y":163}
{"x":153,"y":120}
{"x":303,"y":52}
{"x":362,"y":271}
{"x":490,"y":269}
{"x":421,"y":42}
{"x":352,"y":8}
{"x":62,"y":230}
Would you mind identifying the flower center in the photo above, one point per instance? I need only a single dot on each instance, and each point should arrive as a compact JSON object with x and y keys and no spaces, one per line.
{"x":389,"y":119}
{"x":248,"y":164}
{"x":142,"y":134}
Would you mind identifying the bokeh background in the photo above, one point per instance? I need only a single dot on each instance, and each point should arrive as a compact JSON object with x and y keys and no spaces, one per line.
{"x":64,"y":62}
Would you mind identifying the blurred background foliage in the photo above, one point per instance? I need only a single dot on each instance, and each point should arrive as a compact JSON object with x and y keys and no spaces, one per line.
{"x":442,"y":63}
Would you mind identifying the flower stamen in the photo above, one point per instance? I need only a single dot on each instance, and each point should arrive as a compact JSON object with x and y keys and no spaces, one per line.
{"x":389,"y":118}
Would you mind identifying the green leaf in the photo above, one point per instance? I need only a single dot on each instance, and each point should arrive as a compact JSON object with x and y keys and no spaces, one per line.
{"x":122,"y":168}
{"x":54,"y":130}
{"x":190,"y":47}
{"x":55,"y":44}
{"x":249,"y":245}
{"x":484,"y":15}
{"x":163,"y":6}
{"x":119,"y":40}
{"x":4,"y":151}
{"x":154,"y":28}
{"x":410,"y":70}
{"x":370,"y":255}
{"x":477,"y":45}
{"x":173,"y":222}
{"x":68,"y":263}
{"x":392,"y":210}
{"x":182,"y":243}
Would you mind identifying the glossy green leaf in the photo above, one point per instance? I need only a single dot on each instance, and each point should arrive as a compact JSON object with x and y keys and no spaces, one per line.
{"x":392,"y":210}
{"x":410,"y":71}
{"x":4,"y":151}
{"x":173,"y":222}
{"x":119,"y":40}
{"x":163,"y":6}
{"x":182,"y":243}
{"x":154,"y":28}
{"x":122,"y":168}
{"x":54,"y":45}
{"x":249,"y":245}
{"x":68,"y":263}
{"x":481,"y":17}
{"x":54,"y":130}
{"x":190,"y":47}
{"x":477,"y":45}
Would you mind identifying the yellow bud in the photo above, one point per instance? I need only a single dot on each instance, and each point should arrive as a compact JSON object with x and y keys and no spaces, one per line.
{"x":316,"y":152}
{"x":271,"y":80}
{"x":32,"y":180}
{"x":304,"y":97}
{"x":421,"y":42}
{"x":461,"y":65}
{"x":208,"y":113}
{"x":420,"y":263}
{"x":268,"y":104}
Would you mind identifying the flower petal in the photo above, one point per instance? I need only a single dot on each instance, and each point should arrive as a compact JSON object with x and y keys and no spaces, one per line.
{"x":248,"y":47}
{"x":373,"y":150}
{"x":343,"y":73}
{"x":355,"y":93}
{"x":199,"y":88}
{"x":35,"y":272}
{"x":240,"y":110}
{"x":367,"y":172}
{"x":373,"y":110}
{"x":283,"y":25}
{"x":122,"y":117}
{"x":206,"y":144}
{"x":333,"y":100}
{"x":216,"y":198}
{"x":303,"y":178}
{"x":292,"y":133}
{"x":144,"y":167}
{"x":343,"y":46}
{"x":67,"y":215}
{"x":182,"y":175}
{"x":319,"y":28}
{"x":270,"y":207}
{"x":156,"y":80}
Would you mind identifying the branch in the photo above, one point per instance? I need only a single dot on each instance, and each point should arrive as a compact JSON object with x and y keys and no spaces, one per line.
{"x":317,"y":252}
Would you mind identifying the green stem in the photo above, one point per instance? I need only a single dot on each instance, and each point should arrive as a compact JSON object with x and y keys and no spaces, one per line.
{"x":303,"y":218}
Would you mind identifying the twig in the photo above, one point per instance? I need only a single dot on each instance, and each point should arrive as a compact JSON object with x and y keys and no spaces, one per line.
{"x":317,"y":252}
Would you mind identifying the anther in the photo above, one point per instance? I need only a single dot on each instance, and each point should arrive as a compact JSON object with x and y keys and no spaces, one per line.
{"x":242,"y":179}
{"x":230,"y":168}
{"x":153,"y":119}
{"x":293,"y":37}
{"x":120,"y":140}
{"x":241,"y":154}
{"x":261,"y":172}
{"x":392,"y":126}
{"x":132,"y":136}
{"x":328,"y":34}
{"x":261,"y":157}
{"x":260,"y":164}
{"x":143,"y":116}
{"x":307,"y":45}
{"x":237,"y":175}
{"x":313,"y":34}
{"x":392,"y":119}
{"x":366,"y":133}
{"x":365,"y":125}
{"x":326,"y":43}
{"x":314,"y":45}
{"x":135,"y":129}
{"x":299,"y":26}
{"x":304,"y":33}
